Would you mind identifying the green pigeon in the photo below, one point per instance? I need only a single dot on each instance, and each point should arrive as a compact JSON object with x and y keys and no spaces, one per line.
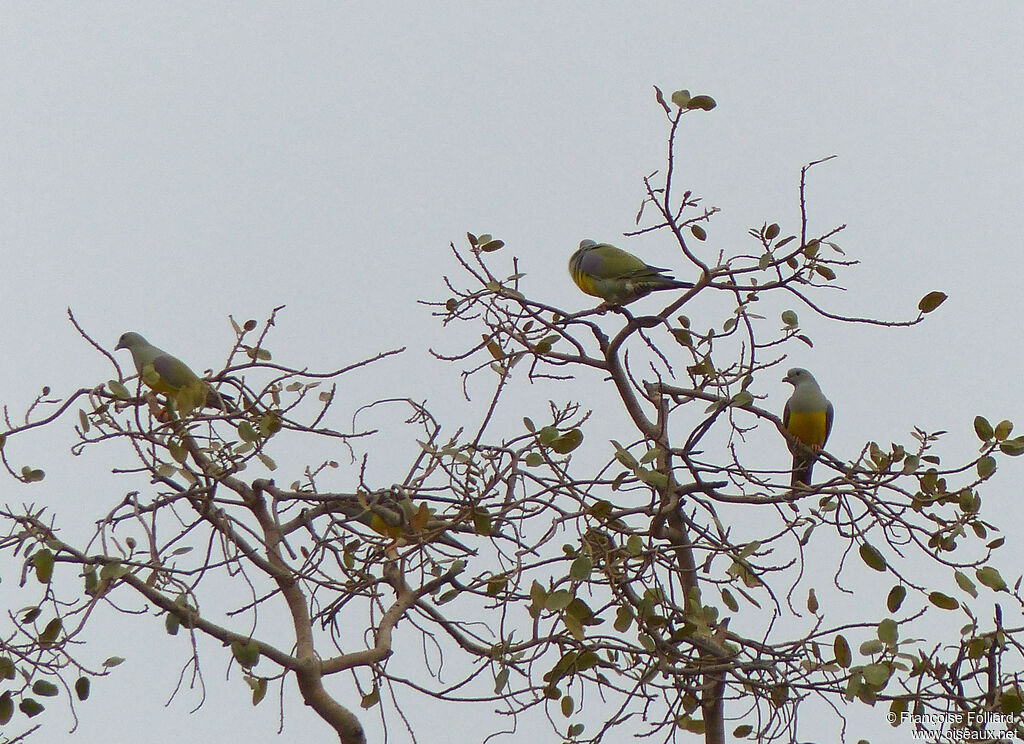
{"x":169,"y":375}
{"x":808,"y":419}
{"x":616,"y":276}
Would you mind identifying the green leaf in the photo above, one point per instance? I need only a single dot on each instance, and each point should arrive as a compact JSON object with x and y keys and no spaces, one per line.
{"x":1012,"y":447}
{"x":897,"y":707}
{"x":246,"y":433}
{"x":705,"y":103}
{"x":113,"y":661}
{"x":118,"y":390}
{"x":870,"y":555}
{"x":698,"y":232}
{"x":6,"y":708}
{"x":888,"y":632}
{"x":931,"y":301}
{"x":569,"y":441}
{"x":178,"y":451}
{"x":741,"y":399}
{"x":691,"y":724}
{"x":1010,"y":702}
{"x":500,"y":680}
{"x":876,"y":675}
{"x":270,"y":423}
{"x":114,"y":570}
{"x":772,"y":231}
{"x":790,"y":319}
{"x":742,"y":732}
{"x":986,"y":466}
{"x":247,"y":653}
{"x":812,"y":601}
{"x":45,"y":688}
{"x":51,"y":632}
{"x":581,"y":568}
{"x":491,"y":246}
{"x":841,"y":648}
{"x":871,"y":647}
{"x":730,"y":600}
{"x":496,"y":585}
{"x":558,"y":600}
{"x":32,"y":475}
{"x":680,"y":98}
{"x":654,"y":478}
{"x":259,"y":690}
{"x":30,"y":707}
{"x":547,"y":435}
{"x":943,"y":601}
{"x":7,"y":669}
{"x":171,"y":623}
{"x":567,"y":705}
{"x":896,"y":596}
{"x":481,"y":521}
{"x":623,"y":618}
{"x":983,"y":428}
{"x":991,"y":578}
{"x":965,"y":583}
{"x":43,"y":562}
{"x":83,"y":421}
{"x":623,"y":456}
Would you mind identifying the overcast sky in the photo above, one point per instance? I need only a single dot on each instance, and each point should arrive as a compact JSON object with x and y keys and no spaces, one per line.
{"x":164,"y":166}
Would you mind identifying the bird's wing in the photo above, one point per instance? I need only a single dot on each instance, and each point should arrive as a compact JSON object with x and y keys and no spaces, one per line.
{"x":609,"y":262}
{"x":174,"y":372}
{"x":829,"y":413}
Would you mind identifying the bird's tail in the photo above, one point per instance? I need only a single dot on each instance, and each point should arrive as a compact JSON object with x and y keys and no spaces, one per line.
{"x":802,"y":466}
{"x":220,"y":401}
{"x":664,"y":282}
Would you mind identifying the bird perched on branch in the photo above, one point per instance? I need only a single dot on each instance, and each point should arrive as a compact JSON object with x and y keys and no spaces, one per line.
{"x":616,"y":276}
{"x":808,"y":420}
{"x":169,"y":375}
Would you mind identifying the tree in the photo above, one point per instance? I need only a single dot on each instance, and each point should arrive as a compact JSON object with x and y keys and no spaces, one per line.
{"x":667,"y":571}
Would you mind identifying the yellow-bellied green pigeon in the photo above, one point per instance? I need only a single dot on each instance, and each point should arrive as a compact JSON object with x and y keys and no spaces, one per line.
{"x":616,"y":276}
{"x":169,"y":375}
{"x":808,"y":419}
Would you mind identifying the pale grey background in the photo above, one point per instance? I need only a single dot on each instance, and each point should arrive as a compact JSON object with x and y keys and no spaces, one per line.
{"x":164,"y":166}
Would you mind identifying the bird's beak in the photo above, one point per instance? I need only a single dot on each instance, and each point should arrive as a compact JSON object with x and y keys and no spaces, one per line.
{"x":120,"y":346}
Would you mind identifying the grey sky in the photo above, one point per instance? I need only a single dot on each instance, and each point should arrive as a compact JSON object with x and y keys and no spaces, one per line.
{"x":164,"y":166}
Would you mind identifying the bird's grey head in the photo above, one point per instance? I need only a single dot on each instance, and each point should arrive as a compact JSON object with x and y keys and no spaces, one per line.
{"x":797,"y":375}
{"x":576,"y":259}
{"x":128,"y":340}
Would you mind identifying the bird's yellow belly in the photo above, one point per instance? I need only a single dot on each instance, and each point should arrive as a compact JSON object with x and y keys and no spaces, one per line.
{"x":585,"y":283}
{"x":157,"y":383}
{"x":809,"y":428}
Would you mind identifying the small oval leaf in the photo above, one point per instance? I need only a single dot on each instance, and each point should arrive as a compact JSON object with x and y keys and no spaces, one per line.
{"x":931,"y":301}
{"x":870,"y":555}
